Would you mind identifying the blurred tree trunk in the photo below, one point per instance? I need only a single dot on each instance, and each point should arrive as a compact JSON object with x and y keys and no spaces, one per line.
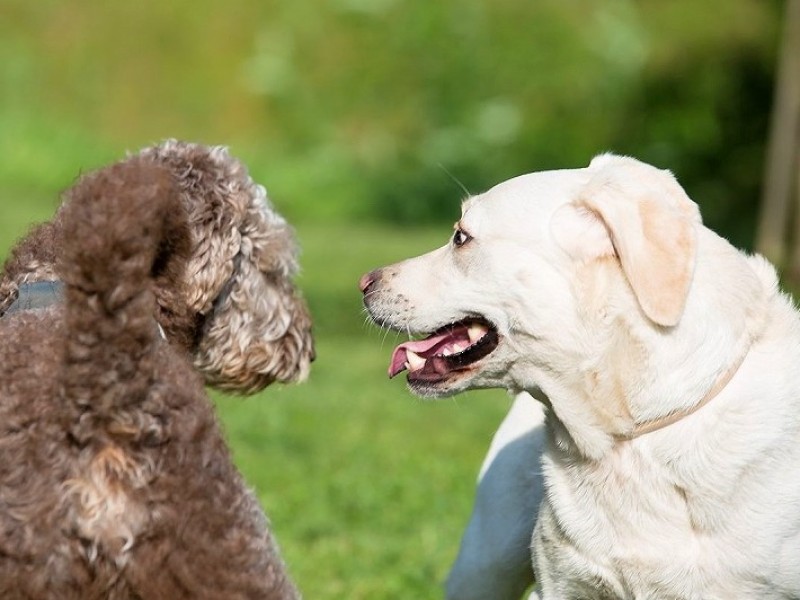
{"x":780,"y":191}
{"x":793,"y":273}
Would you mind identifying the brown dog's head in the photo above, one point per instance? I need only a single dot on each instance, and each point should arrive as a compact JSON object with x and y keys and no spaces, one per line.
{"x":234,"y":307}
{"x":248,"y":324}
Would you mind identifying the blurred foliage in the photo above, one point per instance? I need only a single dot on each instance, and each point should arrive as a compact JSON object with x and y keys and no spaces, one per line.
{"x":371,"y":109}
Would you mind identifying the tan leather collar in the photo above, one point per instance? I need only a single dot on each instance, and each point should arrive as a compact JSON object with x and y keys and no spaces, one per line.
{"x":661,"y":422}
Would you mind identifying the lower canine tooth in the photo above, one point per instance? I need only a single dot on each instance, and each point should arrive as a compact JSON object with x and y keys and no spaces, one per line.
{"x":415,"y":361}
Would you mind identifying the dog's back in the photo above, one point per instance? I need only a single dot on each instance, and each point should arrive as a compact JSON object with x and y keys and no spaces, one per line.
{"x":115,"y":481}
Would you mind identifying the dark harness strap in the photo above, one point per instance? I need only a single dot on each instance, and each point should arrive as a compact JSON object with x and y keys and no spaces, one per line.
{"x":37,"y":294}
{"x":41,"y":294}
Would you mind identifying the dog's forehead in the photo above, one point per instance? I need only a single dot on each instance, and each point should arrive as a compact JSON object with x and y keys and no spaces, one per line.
{"x":523,"y":199}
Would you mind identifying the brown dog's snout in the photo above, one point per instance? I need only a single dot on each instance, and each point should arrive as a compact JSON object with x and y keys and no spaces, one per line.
{"x":368,"y":280}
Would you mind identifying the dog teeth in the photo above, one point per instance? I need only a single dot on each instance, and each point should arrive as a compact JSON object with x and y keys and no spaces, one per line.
{"x":454,"y":349}
{"x":476,"y":331}
{"x":414,"y":361}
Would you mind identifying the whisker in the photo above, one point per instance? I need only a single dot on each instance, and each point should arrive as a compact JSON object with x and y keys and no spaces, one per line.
{"x":455,"y":179}
{"x":386,"y":333}
{"x":368,"y":322}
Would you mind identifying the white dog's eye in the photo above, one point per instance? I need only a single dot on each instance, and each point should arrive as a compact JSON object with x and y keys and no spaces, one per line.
{"x":461,"y":237}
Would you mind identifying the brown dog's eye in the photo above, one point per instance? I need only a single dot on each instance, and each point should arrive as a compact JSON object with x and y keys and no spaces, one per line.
{"x":460,"y":237}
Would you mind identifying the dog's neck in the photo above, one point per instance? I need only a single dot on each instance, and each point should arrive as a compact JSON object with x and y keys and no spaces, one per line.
{"x":36,"y":295}
{"x":592,"y":420}
{"x":646,"y":427}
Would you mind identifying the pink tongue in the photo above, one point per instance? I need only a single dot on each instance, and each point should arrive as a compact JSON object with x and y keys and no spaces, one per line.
{"x":421,"y":347}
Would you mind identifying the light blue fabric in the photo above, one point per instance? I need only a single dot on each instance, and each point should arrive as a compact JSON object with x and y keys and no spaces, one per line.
{"x":37,"y":294}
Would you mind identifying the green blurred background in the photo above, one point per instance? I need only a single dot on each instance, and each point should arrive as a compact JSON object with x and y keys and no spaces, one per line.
{"x":365,"y":119}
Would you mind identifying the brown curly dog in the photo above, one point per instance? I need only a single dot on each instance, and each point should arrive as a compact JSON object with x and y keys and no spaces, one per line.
{"x":159,"y":273}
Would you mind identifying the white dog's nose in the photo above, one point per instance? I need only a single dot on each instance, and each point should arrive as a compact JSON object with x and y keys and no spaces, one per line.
{"x":367,"y":281}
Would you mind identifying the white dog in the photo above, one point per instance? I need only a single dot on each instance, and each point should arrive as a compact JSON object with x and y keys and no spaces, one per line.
{"x":669,"y":364}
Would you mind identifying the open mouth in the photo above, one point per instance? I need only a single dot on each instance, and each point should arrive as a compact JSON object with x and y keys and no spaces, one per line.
{"x":450,"y":349}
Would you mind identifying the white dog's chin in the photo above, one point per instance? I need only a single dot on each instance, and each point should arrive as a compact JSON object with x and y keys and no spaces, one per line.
{"x":446,"y":360}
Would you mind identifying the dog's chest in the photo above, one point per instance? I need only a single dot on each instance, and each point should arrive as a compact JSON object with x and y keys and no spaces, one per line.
{"x":627,"y":530}
{"x":622,"y":530}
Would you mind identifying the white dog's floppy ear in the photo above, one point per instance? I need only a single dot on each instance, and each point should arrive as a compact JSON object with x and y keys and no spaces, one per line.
{"x":649,"y":223}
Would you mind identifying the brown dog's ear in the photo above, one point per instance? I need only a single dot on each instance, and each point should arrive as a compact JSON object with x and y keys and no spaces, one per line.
{"x":651,"y":226}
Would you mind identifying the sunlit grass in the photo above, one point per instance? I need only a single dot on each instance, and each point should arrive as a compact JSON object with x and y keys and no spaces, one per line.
{"x":368,"y":487}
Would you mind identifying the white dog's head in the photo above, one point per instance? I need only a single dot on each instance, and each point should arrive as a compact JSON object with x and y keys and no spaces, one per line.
{"x":579,"y":281}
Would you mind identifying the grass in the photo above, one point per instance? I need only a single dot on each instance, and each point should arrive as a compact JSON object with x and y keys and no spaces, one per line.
{"x":368,"y":488}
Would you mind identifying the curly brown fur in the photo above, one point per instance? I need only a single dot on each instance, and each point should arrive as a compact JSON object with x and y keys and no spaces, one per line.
{"x":235,"y":308}
{"x":115,"y":480}
{"x":239,"y":275}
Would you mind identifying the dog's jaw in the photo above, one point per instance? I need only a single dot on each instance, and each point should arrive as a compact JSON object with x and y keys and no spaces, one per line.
{"x":447,"y":355}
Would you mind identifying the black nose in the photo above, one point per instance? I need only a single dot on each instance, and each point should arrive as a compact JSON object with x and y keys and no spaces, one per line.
{"x":367,"y":281}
